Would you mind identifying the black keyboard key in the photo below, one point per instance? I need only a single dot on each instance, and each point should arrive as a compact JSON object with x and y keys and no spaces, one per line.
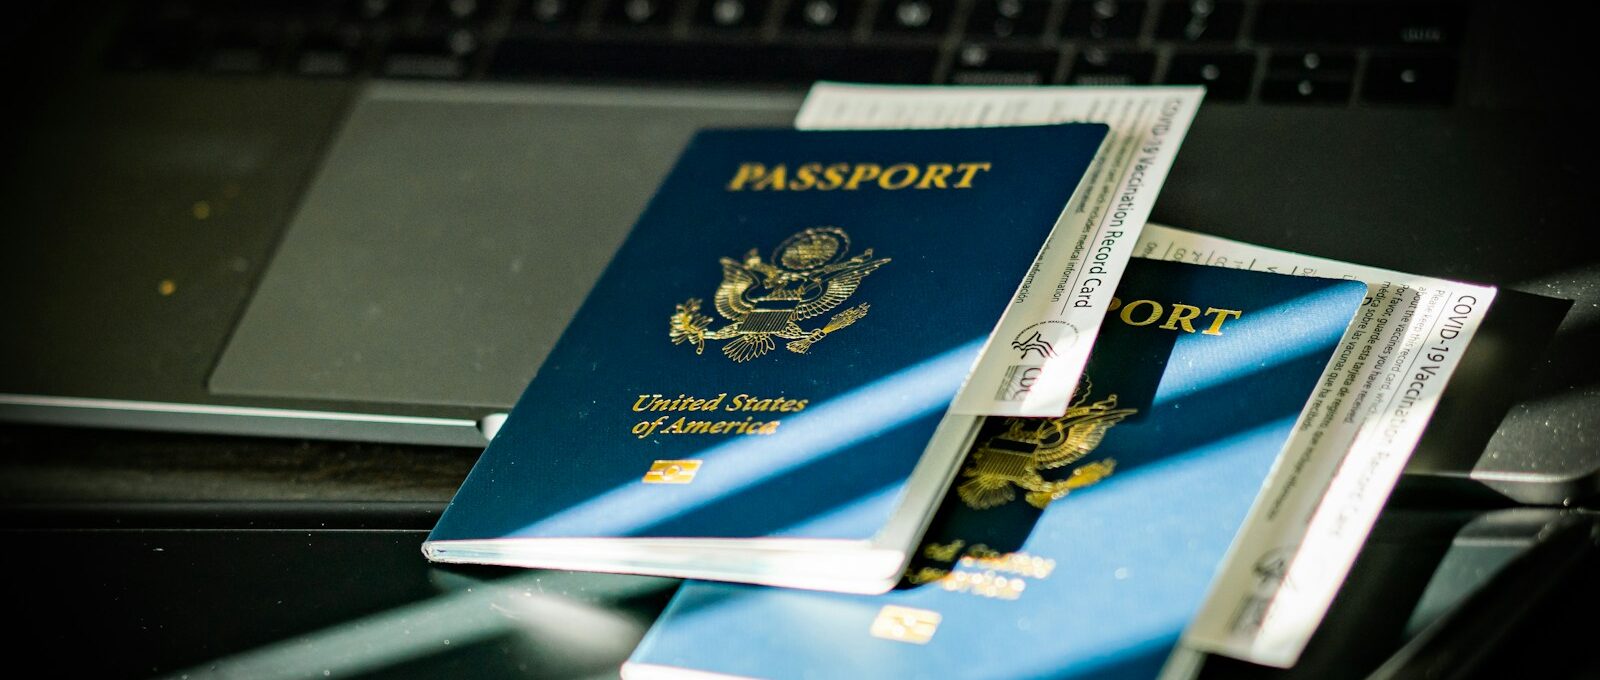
{"x":1312,"y":64}
{"x":1201,"y":20}
{"x":160,"y":46}
{"x":990,"y":65}
{"x":1305,"y":23}
{"x":1099,"y":67}
{"x":457,"y":11}
{"x":334,"y":52}
{"x":256,"y":10}
{"x":928,"y":18}
{"x":440,"y":55}
{"x":1309,"y":77}
{"x":1002,"y":19}
{"x":879,"y":64}
{"x":157,"y":36}
{"x":1305,"y":91}
{"x":1104,"y":19}
{"x":318,"y":63}
{"x":1410,"y":79}
{"x":250,"y":48}
{"x":730,"y":15}
{"x":637,"y":13}
{"x":150,"y":15}
{"x":423,"y":66}
{"x":1430,"y":24}
{"x":1227,"y":76}
{"x":371,"y":10}
{"x":822,"y":16}
{"x":521,"y":57}
{"x":546,"y":13}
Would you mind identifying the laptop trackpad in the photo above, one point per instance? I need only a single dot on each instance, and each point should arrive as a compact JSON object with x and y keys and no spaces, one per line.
{"x":451,"y":233}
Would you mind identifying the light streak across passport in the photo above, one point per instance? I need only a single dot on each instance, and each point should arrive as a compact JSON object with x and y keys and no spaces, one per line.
{"x":1035,"y":357}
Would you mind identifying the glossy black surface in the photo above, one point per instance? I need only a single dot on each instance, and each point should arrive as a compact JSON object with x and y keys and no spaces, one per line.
{"x":291,"y":591}
{"x":311,"y":602}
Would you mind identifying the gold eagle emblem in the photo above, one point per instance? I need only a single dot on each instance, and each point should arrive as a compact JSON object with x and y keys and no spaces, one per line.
{"x":1015,"y":457}
{"x":808,"y":276}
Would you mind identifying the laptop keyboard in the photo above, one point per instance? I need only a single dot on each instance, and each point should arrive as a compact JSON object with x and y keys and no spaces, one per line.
{"x":1343,"y":54}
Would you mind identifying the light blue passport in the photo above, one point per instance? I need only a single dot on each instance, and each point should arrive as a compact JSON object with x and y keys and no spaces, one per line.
{"x":756,"y":388}
{"x":1077,"y":547}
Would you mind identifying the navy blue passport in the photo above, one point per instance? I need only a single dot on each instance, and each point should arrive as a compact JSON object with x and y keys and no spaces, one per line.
{"x":756,"y":388}
{"x":1077,"y":547}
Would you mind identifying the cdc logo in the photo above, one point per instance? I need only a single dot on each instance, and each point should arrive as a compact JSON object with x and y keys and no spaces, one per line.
{"x":1018,"y":382}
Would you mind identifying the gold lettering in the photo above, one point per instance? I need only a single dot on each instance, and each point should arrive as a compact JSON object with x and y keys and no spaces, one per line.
{"x":926,"y":575}
{"x":805,"y":177}
{"x":887,"y":181}
{"x":832,"y":177}
{"x":863,"y":172}
{"x":978,"y":551}
{"x":1181,"y":314}
{"x":773,"y":180}
{"x":1155,"y":312}
{"x":935,"y":175}
{"x":1222,"y":315}
{"x":969,"y":170}
{"x":746,"y":173}
{"x":745,"y":402}
{"x":943,"y":553}
{"x":854,"y":176}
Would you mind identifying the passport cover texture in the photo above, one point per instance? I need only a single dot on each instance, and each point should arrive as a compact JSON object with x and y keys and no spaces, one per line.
{"x":770,"y":351}
{"x":1077,"y":547}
